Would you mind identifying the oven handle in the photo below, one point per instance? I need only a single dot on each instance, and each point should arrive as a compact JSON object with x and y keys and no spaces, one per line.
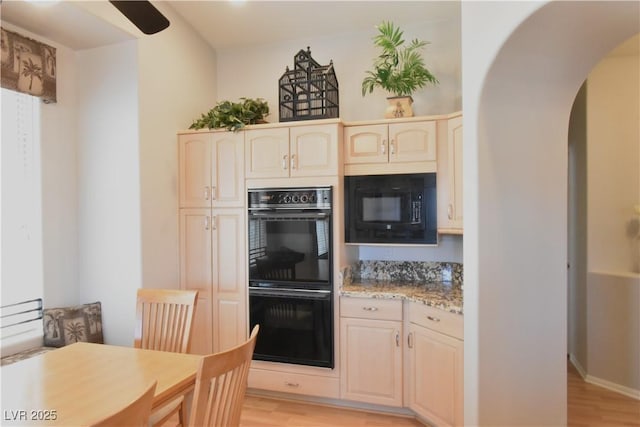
{"x":281,"y":214}
{"x":289,"y":292}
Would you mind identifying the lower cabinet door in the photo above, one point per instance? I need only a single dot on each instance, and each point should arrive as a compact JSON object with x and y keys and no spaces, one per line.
{"x":371,"y":361}
{"x":435,"y":376}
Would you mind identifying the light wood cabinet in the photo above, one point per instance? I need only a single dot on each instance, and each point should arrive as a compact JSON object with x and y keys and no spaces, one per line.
{"x":407,"y":147}
{"x":212,"y":236}
{"x":298,"y":151}
{"x":450,"y":178}
{"x":212,"y":261}
{"x":371,"y":351}
{"x":211,"y":169}
{"x":435,"y":371}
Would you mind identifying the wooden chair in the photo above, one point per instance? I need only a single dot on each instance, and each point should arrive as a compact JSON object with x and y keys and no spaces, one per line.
{"x":221,"y":384}
{"x":134,"y":414}
{"x":164,"y":318}
{"x":163,"y":322}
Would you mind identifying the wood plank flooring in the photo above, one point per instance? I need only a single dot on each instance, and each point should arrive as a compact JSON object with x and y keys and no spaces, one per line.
{"x":587,"y":405}
{"x":265,"y":412}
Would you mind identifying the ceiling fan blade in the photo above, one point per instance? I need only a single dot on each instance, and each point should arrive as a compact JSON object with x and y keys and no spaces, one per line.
{"x":142,"y":14}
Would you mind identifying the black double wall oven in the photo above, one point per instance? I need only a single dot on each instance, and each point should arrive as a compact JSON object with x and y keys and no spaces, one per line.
{"x":290,"y":274}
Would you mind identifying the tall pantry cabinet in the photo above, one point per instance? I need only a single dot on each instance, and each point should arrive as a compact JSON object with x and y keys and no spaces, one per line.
{"x":212,"y":235}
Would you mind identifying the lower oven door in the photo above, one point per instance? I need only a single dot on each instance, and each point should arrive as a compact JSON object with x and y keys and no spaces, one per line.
{"x":296,"y":325}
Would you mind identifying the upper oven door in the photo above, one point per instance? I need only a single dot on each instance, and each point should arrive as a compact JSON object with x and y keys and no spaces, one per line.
{"x":290,"y":247}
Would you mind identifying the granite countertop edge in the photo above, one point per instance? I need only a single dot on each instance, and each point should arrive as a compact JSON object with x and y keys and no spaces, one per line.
{"x":444,"y":296}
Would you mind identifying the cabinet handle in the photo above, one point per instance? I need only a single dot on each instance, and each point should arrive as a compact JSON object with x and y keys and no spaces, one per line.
{"x":213,"y":223}
{"x":392,"y":147}
{"x":213,"y":193}
{"x":397,"y":339}
{"x":284,"y":162}
{"x":383,"y":147}
{"x":206,"y":192}
{"x":288,"y":384}
{"x":410,"y":340}
{"x":293,"y":161}
{"x":206,"y":223}
{"x":370,"y":308}
{"x":450,"y":211}
{"x":433,"y":319}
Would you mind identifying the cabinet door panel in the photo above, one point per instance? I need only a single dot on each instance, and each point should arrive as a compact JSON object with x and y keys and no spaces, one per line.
{"x":366,"y":144}
{"x":202,"y":334}
{"x":412,"y":142}
{"x":194,"y":154}
{"x":232,"y":326}
{"x":267,"y":153}
{"x":195,"y":250}
{"x":229,"y":280}
{"x":228,"y":170}
{"x":455,"y":170}
{"x":436,"y":376}
{"x":196,"y":273}
{"x":314,"y":150}
{"x":366,"y":377}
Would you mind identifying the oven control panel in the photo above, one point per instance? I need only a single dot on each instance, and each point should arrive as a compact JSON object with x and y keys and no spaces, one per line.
{"x":292,"y":198}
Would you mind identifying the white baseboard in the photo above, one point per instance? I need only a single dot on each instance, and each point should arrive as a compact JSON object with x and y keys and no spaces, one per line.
{"x":627,"y":391}
{"x":578,"y":366}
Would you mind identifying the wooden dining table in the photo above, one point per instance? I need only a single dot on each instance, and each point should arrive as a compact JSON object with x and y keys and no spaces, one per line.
{"x":82,"y":383}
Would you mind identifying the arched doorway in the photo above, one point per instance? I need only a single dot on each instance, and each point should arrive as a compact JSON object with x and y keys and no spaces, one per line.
{"x":523,"y":64}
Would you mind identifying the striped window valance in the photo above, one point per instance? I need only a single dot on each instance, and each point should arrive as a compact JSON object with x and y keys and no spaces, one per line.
{"x":28,"y":66}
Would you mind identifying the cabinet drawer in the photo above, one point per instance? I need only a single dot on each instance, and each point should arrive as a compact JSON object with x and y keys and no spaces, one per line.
{"x":371,"y":308}
{"x":285,"y":382}
{"x":436,"y":319}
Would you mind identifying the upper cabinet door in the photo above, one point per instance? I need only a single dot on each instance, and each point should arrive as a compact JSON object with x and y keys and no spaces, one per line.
{"x":366,"y":144}
{"x":267,"y":152}
{"x":412,"y":142}
{"x":227,"y":189}
{"x":454,"y":145}
{"x":194,"y":152}
{"x":211,"y":169}
{"x":313,"y":150}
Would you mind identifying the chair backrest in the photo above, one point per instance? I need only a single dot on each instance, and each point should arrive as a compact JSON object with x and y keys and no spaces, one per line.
{"x":135,"y":413}
{"x":221,"y":384}
{"x":164,"y":318}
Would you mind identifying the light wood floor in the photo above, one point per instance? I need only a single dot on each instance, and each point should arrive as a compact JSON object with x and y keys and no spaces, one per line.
{"x":591,"y":406}
{"x":588,"y":406}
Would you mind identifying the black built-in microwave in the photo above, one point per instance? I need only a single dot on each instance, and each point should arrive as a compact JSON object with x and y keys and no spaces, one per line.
{"x":399,"y":208}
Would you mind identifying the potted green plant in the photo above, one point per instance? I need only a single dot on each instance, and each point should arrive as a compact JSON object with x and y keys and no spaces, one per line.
{"x":233,"y":116}
{"x":399,"y":69}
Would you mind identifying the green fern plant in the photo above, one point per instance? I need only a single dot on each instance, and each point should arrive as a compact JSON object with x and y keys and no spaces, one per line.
{"x":398,"y":69}
{"x":233,"y":116}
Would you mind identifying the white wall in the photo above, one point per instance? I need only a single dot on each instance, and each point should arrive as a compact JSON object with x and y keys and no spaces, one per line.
{"x":176,"y":82}
{"x":577,"y":232}
{"x":613,"y":162}
{"x":109,"y":267}
{"x":254,"y":72}
{"x":59,"y":190}
{"x":613,"y":325}
{"x":520,"y":76}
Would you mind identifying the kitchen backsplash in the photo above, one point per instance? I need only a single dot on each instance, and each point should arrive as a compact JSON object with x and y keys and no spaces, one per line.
{"x":404,"y":271}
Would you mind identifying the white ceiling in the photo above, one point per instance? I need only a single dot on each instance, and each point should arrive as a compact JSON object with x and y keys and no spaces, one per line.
{"x":228,"y":24}
{"x":225,"y":24}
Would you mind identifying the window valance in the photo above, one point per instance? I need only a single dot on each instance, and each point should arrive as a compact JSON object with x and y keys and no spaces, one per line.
{"x":28,"y":66}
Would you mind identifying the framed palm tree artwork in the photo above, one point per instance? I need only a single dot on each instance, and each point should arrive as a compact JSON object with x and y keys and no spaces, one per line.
{"x":28,"y":66}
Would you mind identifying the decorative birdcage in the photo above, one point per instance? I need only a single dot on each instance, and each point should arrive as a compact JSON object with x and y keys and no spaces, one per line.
{"x":309,"y":91}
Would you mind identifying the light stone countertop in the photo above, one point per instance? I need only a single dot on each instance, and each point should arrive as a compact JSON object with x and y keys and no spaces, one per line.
{"x":444,"y":295}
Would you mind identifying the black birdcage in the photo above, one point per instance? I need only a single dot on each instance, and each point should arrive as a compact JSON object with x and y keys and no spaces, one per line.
{"x":309,"y":91}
